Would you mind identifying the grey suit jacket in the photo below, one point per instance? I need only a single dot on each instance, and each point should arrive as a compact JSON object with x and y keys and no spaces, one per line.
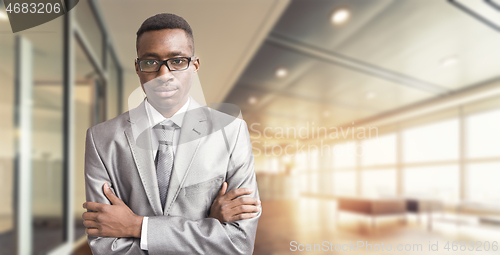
{"x":213,"y":147}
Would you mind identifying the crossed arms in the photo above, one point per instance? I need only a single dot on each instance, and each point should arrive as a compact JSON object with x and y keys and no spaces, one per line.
{"x":113,"y":228}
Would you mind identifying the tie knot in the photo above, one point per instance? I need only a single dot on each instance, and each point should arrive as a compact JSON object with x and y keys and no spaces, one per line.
{"x":165,"y":132}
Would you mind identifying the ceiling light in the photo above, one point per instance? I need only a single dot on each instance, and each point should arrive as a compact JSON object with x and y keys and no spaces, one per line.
{"x":370,"y":95}
{"x":3,"y":16}
{"x":252,"y":100}
{"x":281,"y":72}
{"x":449,"y":61}
{"x":340,"y":16}
{"x":326,"y":113}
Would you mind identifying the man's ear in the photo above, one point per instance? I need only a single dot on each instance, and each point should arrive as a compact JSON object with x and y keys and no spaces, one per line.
{"x":196,"y":64}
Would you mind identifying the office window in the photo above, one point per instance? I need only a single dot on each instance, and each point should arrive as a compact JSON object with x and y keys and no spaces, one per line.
{"x":482,"y":183}
{"x":313,"y":160}
{"x":344,"y":183}
{"x":301,"y":161}
{"x":483,"y":134}
{"x":378,"y":183}
{"x":440,"y":182}
{"x":314,"y":183}
{"x":272,"y":165}
{"x":309,"y":182}
{"x":433,"y":142}
{"x":326,"y":184}
{"x":379,"y":151}
{"x":303,"y":182}
{"x":344,"y":155}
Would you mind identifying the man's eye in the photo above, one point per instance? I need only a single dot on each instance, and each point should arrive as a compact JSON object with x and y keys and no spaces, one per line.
{"x":178,"y":61}
{"x":150,"y":62}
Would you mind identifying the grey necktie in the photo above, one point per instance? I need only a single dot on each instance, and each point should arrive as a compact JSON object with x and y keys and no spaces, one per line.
{"x":164,"y":157}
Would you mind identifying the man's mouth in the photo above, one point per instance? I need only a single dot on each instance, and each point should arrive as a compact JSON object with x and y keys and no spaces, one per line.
{"x":166,"y":91}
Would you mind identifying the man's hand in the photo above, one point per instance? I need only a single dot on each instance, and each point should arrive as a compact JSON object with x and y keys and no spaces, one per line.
{"x":115,"y":220}
{"x":233,"y":206}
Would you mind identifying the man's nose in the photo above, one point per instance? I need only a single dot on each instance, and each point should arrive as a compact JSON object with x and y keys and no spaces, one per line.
{"x":164,"y":71}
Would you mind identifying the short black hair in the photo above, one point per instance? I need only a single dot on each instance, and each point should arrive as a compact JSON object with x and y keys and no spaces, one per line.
{"x":165,"y":21}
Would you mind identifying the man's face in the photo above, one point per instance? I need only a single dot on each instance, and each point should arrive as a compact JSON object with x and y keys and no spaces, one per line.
{"x":165,"y":89}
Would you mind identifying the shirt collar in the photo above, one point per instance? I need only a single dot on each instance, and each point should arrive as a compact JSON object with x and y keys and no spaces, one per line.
{"x":156,"y":117}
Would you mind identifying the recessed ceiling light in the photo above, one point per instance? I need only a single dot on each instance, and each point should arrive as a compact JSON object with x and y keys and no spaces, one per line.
{"x":3,"y":16}
{"x":340,"y":16}
{"x":326,"y":113}
{"x":449,"y":61}
{"x":370,"y":95}
{"x":252,"y":100}
{"x":281,"y":72}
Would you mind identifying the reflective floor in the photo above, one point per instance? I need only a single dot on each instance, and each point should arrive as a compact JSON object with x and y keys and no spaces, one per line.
{"x":287,"y":227}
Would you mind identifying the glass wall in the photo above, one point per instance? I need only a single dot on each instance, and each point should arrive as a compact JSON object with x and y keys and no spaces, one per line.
{"x":483,"y":156}
{"x":439,"y":182}
{"x":6,"y":138}
{"x":95,"y":100}
{"x":47,"y":158}
{"x":432,"y":142}
{"x":86,"y":21}
{"x":96,"y":94}
{"x":112,"y":88}
{"x":88,"y":111}
{"x":482,"y":129}
{"x":378,"y":161}
{"x":344,"y":165}
{"x":435,"y":147}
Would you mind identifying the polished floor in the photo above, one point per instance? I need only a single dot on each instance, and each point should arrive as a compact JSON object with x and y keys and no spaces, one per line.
{"x":287,"y":226}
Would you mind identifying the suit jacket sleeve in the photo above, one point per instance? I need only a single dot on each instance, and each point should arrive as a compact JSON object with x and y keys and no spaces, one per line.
{"x":95,"y":176}
{"x":178,"y":235}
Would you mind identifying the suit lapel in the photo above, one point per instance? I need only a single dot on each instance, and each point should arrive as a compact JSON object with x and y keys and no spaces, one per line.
{"x":194,"y":128}
{"x":139,"y":140}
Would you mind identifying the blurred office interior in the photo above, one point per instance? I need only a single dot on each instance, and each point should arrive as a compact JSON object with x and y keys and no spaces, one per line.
{"x":370,"y":120}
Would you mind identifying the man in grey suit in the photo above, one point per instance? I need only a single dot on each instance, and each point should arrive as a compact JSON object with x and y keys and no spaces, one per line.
{"x":156,"y":176}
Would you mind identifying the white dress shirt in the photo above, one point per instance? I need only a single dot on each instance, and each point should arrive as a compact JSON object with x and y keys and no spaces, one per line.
{"x":154,"y":118}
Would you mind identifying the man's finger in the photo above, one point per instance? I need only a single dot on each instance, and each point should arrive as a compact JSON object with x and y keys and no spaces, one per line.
{"x":90,"y":224}
{"x":92,"y":231}
{"x":238,"y":192}
{"x":242,"y":216}
{"x":111,"y":196}
{"x":244,"y":201}
{"x":245,"y":209}
{"x":92,"y":206}
{"x":223,"y":190}
{"x":89,"y":216}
